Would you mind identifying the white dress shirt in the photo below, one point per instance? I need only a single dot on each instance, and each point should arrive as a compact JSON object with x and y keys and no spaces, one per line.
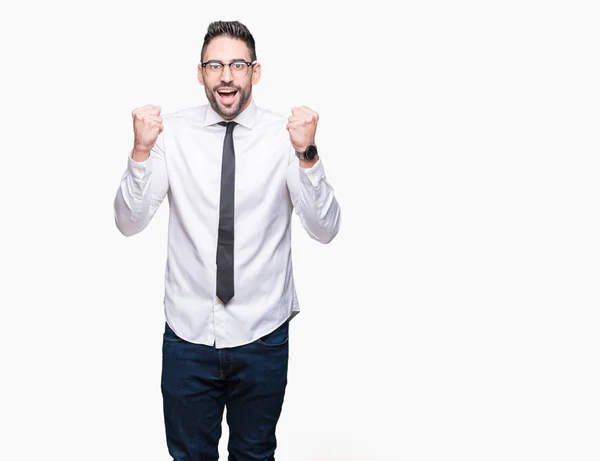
{"x":185,"y":165}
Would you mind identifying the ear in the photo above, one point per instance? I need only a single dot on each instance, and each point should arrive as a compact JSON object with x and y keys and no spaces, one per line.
{"x":200,"y":75}
{"x":256,"y":71}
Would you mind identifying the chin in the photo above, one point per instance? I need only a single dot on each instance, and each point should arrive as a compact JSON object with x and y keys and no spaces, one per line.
{"x":233,"y":109}
{"x":229,"y":111}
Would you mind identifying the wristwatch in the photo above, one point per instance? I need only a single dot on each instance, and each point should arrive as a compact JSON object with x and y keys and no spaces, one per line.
{"x":309,"y":154}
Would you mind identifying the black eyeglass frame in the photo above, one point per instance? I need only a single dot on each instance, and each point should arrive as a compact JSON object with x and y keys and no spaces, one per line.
{"x":239,"y":61}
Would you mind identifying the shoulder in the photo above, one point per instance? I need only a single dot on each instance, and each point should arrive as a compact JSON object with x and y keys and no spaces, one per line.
{"x":271,"y":117}
{"x":271,"y":121}
{"x":186,"y":115}
{"x":272,"y":125}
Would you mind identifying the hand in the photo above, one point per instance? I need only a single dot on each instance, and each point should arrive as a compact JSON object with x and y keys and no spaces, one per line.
{"x":302,"y":126}
{"x":147,"y":125}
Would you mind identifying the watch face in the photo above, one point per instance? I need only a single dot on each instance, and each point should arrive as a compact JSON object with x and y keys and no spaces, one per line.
{"x":311,"y":152}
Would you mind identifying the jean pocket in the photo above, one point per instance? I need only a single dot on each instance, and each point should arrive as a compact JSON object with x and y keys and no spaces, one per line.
{"x":277,"y":337}
{"x":169,"y":335}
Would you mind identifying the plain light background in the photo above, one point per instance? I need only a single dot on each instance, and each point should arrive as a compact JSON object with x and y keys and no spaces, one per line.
{"x":455,"y":316}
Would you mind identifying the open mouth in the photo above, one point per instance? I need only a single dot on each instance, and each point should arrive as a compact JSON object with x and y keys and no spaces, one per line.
{"x":226,"y":95}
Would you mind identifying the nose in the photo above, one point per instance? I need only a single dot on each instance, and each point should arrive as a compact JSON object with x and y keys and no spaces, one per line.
{"x":226,"y":76}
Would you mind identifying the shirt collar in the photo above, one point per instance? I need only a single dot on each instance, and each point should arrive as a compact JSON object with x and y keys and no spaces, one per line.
{"x":246,"y":118}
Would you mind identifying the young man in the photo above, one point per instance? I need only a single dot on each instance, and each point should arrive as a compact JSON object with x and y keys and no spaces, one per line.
{"x":233,"y":172}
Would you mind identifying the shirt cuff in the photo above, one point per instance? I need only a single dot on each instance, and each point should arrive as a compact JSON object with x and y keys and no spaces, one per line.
{"x":313,"y":175}
{"x":139,"y":170}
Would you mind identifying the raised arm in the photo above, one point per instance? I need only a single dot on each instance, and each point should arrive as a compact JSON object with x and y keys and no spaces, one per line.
{"x":313,"y":197}
{"x":144,"y":183}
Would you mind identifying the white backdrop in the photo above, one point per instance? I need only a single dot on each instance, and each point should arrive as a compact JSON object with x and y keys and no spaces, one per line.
{"x":455,"y":316}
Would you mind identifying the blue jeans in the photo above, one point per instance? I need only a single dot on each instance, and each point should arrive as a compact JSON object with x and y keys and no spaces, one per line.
{"x":199,"y":381}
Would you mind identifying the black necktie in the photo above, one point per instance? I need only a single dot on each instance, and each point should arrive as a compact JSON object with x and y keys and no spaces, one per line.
{"x":226,"y":214}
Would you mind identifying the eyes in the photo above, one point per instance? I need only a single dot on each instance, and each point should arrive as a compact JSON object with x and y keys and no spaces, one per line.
{"x":234,"y":66}
{"x":239,"y":68}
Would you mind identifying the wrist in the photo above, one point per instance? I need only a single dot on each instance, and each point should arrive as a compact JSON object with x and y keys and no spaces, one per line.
{"x":309,"y":163}
{"x":139,"y":154}
{"x":309,"y":153}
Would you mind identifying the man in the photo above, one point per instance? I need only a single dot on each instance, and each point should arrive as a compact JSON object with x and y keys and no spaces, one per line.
{"x":233,"y":173}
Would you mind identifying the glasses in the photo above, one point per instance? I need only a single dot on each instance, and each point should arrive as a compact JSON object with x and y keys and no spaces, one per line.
{"x":237,"y":68}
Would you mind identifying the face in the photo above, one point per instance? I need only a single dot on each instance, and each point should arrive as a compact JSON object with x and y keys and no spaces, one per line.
{"x":229,"y":92}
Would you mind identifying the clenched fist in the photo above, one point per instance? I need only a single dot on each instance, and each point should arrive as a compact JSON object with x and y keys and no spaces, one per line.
{"x":302,"y":126}
{"x":147,"y":125}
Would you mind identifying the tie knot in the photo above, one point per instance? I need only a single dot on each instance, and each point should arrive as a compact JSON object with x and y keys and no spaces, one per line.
{"x":230,"y":126}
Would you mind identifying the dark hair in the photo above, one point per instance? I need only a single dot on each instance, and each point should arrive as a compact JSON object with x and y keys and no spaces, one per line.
{"x":233,"y":29}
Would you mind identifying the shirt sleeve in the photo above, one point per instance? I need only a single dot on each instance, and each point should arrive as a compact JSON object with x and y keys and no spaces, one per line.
{"x":314,"y":199}
{"x":142,"y":189}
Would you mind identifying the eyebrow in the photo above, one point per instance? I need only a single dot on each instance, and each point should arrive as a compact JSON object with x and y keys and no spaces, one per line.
{"x":233,"y":60}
